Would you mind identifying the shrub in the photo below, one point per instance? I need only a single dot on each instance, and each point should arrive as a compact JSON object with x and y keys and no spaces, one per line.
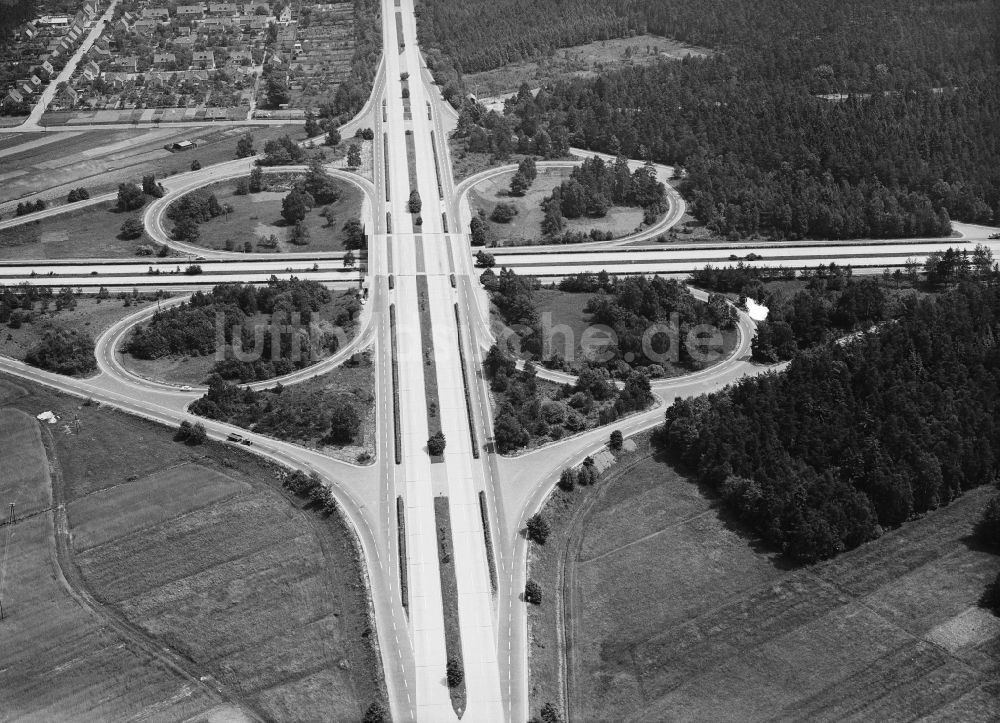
{"x":63,"y":351}
{"x":616,"y":440}
{"x":538,"y":528}
{"x":988,"y":529}
{"x":131,"y":229}
{"x":503,"y":213}
{"x":532,"y":593}
{"x":454,"y":673}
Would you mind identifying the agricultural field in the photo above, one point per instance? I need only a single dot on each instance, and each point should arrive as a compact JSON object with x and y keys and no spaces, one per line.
{"x":88,"y":233}
{"x":257,"y":216}
{"x":201,"y":552}
{"x":100,"y":160}
{"x":525,"y":228}
{"x":578,"y":61}
{"x":91,"y":315}
{"x":60,"y":661}
{"x":672,"y":611}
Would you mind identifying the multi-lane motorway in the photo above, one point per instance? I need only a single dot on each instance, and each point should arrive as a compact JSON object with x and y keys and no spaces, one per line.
{"x":421,"y":276}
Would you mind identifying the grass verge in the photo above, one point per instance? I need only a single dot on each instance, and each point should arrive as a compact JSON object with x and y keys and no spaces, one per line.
{"x":88,"y":232}
{"x":449,"y":600}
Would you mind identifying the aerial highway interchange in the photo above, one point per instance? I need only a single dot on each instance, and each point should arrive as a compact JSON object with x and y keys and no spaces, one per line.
{"x":407,"y":266}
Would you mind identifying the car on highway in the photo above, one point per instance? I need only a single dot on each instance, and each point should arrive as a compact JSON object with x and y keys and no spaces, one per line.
{"x":995,"y":235}
{"x":185,"y":387}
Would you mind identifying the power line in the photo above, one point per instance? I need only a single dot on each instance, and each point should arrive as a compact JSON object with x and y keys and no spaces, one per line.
{"x":6,"y":547}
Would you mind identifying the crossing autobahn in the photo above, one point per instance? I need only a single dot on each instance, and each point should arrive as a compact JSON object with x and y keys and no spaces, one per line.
{"x":424,"y":273}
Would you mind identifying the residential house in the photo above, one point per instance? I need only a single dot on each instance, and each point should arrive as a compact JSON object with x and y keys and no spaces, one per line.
{"x":285,"y":16}
{"x":239,"y":57}
{"x":223,"y":9}
{"x":15,"y":96}
{"x":146,"y":26}
{"x":156,"y":13}
{"x":183,"y":41}
{"x":190,"y":11}
{"x":48,"y":67}
{"x":162,"y":59}
{"x":27,"y":89}
{"x":91,"y":70}
{"x":68,"y":95}
{"x":203,"y":59}
{"x":126,"y":64}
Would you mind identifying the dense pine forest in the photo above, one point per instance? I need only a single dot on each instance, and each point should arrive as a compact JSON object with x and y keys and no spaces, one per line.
{"x":767,"y":144}
{"x":859,"y":436}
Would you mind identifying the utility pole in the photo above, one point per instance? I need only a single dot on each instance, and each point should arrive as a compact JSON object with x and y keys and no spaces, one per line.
{"x":3,"y":563}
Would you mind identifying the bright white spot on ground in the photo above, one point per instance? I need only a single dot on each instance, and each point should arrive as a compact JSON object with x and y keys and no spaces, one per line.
{"x":756,"y":311}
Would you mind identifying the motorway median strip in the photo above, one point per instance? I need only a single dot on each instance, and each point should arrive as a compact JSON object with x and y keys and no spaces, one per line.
{"x":465,"y":384}
{"x":397,"y":430}
{"x":429,"y":364}
{"x":404,"y":590}
{"x":490,"y":559}
{"x":437,"y":166}
{"x":449,"y":605}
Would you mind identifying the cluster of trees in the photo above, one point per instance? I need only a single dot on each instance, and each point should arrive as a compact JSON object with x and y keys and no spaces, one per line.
{"x":857,"y":437}
{"x":594,"y":186}
{"x":289,"y":414}
{"x":631,"y":306}
{"x":26,"y":207}
{"x":64,"y":351}
{"x":282,"y":152}
{"x":77,"y":194}
{"x":912,"y":149}
{"x":132,"y":197}
{"x":525,"y":175}
{"x":193,"y":328}
{"x":193,"y":209}
{"x":528,"y":409}
{"x":192,"y":434}
{"x":312,"y":488}
{"x":988,"y":533}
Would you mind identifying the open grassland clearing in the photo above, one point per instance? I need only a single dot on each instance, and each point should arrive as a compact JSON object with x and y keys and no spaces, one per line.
{"x":672,"y":612}
{"x":223,"y":567}
{"x":91,"y":316}
{"x":100,"y":160}
{"x":257,"y":216}
{"x":87,"y":233}
{"x":24,"y":471}
{"x":526,"y":227}
{"x":578,"y":61}
{"x":60,"y":661}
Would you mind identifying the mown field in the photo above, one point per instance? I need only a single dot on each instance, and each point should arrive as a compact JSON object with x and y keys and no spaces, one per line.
{"x":201,"y":550}
{"x":90,"y":315}
{"x":257,"y":216}
{"x":672,"y":612}
{"x":568,"y":322}
{"x":88,"y":233}
{"x":525,"y":228}
{"x":60,"y":663}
